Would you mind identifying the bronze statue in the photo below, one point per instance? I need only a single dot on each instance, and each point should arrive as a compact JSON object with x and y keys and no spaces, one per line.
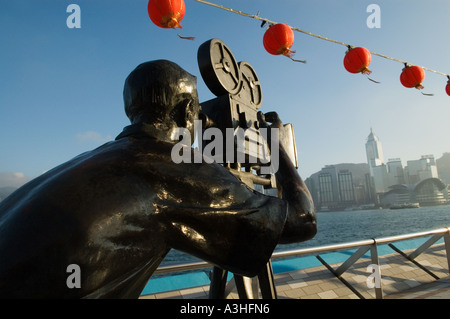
{"x":117,"y":210}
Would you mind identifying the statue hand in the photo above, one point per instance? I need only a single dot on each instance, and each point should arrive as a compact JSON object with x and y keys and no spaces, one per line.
{"x":271,"y":117}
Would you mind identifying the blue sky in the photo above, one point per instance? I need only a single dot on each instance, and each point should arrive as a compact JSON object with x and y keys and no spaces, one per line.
{"x":61,"y":88}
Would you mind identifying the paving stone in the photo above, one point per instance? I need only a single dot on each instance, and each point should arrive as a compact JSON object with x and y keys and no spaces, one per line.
{"x":329,"y":294}
{"x":297,"y":284}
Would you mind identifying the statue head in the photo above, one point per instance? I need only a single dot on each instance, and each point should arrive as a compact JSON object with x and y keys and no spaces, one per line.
{"x":162,"y":95}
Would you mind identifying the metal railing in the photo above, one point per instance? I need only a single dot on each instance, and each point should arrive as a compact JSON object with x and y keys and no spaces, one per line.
{"x":363,"y":246}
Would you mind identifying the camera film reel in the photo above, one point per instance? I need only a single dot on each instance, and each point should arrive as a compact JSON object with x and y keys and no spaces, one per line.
{"x":219,"y":68}
{"x":250,"y":91}
{"x":223,"y":75}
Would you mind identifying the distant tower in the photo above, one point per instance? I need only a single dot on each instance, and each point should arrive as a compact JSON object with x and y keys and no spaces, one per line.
{"x":378,"y":169}
{"x":374,"y":151}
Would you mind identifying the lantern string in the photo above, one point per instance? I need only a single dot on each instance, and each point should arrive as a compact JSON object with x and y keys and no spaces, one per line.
{"x":264,"y":21}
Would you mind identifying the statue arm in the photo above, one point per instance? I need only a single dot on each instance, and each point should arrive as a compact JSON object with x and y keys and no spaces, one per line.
{"x":215,"y":217}
{"x":301,"y":222}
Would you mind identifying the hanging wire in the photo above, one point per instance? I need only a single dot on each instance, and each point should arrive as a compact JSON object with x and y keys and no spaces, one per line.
{"x":264,"y":21}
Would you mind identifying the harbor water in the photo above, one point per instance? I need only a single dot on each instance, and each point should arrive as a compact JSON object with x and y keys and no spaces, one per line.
{"x":349,"y":226}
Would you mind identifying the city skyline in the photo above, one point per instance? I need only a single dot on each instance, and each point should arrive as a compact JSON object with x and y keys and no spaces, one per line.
{"x":380,"y":183}
{"x":61,"y":88}
{"x":381,"y":159}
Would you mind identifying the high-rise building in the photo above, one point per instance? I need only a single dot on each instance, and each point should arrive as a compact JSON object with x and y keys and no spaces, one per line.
{"x":328,"y":187}
{"x":346,"y":188}
{"x":335,"y":188}
{"x":374,"y":151}
{"x":378,"y":170}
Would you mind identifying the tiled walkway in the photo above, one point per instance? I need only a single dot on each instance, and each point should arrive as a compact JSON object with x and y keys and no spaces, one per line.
{"x":400,"y":278}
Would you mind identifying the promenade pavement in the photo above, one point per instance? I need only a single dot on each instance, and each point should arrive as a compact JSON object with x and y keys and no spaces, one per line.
{"x":400,"y":279}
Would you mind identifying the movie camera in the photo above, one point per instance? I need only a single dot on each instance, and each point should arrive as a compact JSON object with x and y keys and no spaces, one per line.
{"x":238,"y":98}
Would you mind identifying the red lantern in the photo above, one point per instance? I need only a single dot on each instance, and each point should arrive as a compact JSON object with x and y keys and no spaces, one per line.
{"x":166,"y":13}
{"x":357,"y":60}
{"x":279,"y":39}
{"x":447,"y":87}
{"x":412,"y":77}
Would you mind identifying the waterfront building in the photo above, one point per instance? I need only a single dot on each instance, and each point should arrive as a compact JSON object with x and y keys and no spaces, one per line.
{"x":371,"y":194}
{"x":428,"y":192}
{"x":335,"y":189}
{"x":346,"y":188}
{"x":328,"y":187}
{"x":421,"y":169}
{"x":361,"y":197}
{"x":431,"y":191}
{"x":395,"y":172}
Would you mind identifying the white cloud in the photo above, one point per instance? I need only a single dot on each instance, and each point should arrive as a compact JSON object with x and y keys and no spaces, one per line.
{"x":13,"y":179}
{"x":19,"y":175}
{"x":93,"y":137}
